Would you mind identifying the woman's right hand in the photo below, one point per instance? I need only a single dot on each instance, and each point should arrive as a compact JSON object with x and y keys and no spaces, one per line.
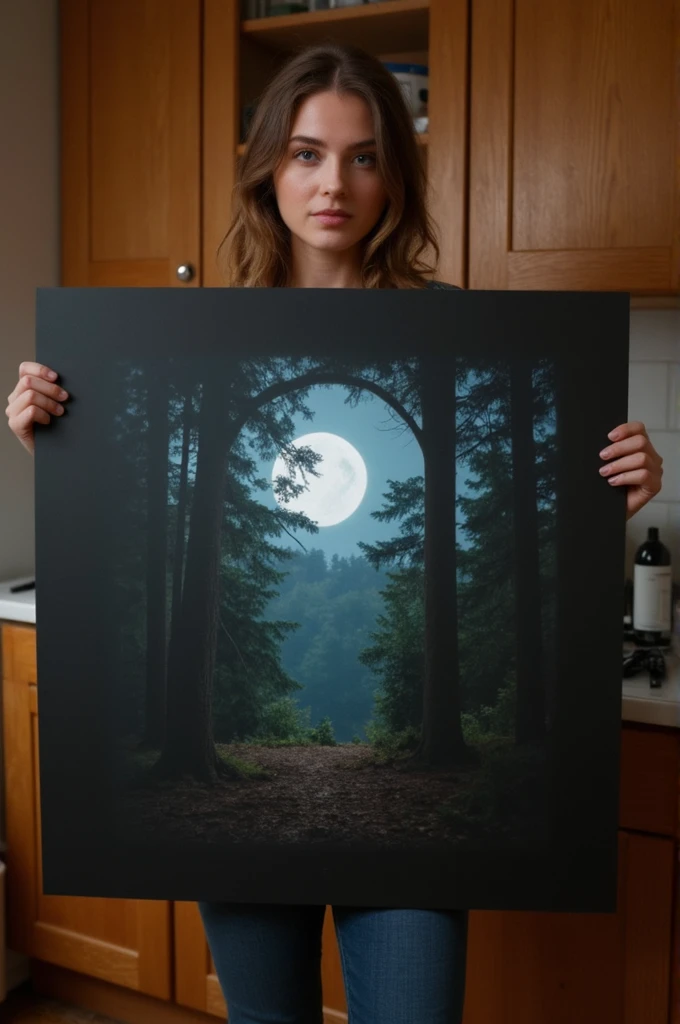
{"x":35,"y":399}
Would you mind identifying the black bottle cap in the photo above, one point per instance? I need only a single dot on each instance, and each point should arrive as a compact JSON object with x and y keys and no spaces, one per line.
{"x":653,"y":533}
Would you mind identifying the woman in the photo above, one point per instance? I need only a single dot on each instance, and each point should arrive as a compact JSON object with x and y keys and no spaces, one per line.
{"x":331,"y":193}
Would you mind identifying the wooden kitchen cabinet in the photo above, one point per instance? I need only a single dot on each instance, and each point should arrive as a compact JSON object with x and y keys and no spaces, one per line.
{"x":125,"y":942}
{"x":152,"y":96}
{"x":523,"y":968}
{"x":575,"y":145}
{"x":130,"y":123}
{"x":526,"y":968}
{"x":569,"y":176}
{"x":531,"y":968}
{"x":196,"y":984}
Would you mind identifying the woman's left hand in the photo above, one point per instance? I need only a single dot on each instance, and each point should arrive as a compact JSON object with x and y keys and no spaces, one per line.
{"x":633,"y":462}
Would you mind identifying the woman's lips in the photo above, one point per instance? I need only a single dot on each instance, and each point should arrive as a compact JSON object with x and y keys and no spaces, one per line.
{"x":332,"y":218}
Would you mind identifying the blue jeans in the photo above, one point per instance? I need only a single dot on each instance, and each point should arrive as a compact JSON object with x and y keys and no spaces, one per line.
{"x":399,"y":966}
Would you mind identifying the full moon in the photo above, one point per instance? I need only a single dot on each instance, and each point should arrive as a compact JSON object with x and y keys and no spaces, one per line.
{"x":336,"y":493}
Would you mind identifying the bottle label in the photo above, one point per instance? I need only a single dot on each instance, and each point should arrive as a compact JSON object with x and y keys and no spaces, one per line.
{"x":652,"y":598}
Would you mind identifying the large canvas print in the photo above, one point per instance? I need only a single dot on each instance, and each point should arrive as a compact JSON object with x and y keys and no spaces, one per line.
{"x":329,"y":597}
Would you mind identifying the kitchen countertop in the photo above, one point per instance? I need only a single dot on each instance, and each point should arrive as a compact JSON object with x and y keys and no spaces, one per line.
{"x":660,"y":706}
{"x":640,"y":703}
{"x":17,"y":607}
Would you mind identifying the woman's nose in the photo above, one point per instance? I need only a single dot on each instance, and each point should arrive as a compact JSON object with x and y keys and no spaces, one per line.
{"x":333,"y":182}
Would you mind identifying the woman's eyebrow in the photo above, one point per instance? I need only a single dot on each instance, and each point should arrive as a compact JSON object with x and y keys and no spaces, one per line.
{"x":307,"y":140}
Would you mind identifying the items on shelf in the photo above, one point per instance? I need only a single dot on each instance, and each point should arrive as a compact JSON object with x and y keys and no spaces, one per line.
{"x":272,"y":8}
{"x":254,"y":9}
{"x":421,"y":122}
{"x":414,"y":82}
{"x":275,"y":9}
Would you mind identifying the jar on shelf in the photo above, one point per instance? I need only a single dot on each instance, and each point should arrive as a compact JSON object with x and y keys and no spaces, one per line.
{"x":414,"y":81}
{"x":276,"y":8}
{"x":254,"y":9}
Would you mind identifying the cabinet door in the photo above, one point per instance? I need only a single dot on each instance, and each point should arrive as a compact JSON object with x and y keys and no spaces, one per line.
{"x":447,"y":147}
{"x":126,"y":942}
{"x":130,"y":105}
{"x":575,"y":151}
{"x":196,"y":984}
{"x":593,"y":968}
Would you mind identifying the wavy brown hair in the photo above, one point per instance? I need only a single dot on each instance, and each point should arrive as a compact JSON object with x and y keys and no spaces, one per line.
{"x":256,"y":252}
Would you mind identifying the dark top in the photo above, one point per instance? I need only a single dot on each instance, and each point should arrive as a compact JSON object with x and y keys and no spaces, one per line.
{"x":441,"y":285}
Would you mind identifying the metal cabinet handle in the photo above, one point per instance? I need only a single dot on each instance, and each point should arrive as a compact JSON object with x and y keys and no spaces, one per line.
{"x":185,"y":272}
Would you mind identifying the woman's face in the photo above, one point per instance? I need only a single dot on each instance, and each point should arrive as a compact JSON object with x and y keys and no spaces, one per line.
{"x":328,"y":189}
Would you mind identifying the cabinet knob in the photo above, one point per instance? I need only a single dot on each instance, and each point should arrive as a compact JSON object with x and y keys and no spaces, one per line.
{"x":185,"y":272}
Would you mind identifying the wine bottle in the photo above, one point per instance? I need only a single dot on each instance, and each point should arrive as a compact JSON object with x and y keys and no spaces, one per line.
{"x":652,"y":591}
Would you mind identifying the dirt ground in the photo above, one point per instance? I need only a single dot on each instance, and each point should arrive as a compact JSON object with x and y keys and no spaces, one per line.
{"x":313,"y":793}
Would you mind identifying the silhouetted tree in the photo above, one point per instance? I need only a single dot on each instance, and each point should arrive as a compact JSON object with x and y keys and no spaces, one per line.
{"x":181,"y":513}
{"x":156,"y":556}
{"x":189,"y":745}
{"x":530,"y":720}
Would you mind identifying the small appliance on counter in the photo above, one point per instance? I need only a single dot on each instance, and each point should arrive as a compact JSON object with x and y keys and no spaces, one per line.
{"x":645,"y":659}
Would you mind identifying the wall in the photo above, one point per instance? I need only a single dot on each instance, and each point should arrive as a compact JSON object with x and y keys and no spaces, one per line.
{"x":654,"y":398}
{"x":29,"y":236}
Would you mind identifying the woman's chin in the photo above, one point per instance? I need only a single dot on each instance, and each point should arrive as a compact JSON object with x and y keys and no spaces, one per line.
{"x":335,"y":240}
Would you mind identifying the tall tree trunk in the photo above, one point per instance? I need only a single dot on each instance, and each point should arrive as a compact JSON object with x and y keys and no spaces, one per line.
{"x":189,"y":748}
{"x":530,"y":718}
{"x":442,"y":742}
{"x":156,"y":556}
{"x":180,"y":525}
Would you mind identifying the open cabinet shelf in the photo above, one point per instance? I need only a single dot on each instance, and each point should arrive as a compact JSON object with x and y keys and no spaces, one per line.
{"x":390,"y":26}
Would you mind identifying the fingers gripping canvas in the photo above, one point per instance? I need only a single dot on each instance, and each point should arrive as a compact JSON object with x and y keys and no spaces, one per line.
{"x":329,"y":597}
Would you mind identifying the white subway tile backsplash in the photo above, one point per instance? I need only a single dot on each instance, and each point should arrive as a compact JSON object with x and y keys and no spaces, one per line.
{"x":667,"y":444}
{"x":655,"y":335}
{"x":671,"y":538}
{"x":673,"y":396}
{"x":648,"y":394}
{"x":654,"y":398}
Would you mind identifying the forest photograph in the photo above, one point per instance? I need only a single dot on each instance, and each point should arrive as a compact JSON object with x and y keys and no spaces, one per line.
{"x":334,"y":585}
{"x":331,"y":616}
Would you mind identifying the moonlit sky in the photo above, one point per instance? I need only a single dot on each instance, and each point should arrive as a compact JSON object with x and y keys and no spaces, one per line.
{"x":390,"y":453}
{"x":331,"y":496}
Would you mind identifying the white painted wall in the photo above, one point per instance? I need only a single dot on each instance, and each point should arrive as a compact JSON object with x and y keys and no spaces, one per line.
{"x":29,"y":235}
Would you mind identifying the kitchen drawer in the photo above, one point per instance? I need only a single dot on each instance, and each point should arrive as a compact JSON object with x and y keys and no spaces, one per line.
{"x":650,"y":774}
{"x":19,"y":654}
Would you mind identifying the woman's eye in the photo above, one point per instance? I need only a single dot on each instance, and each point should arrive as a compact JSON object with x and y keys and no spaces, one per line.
{"x":305,"y":155}
{"x":366,"y":159}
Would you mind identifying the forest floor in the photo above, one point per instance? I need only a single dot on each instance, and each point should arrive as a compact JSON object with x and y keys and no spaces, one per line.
{"x":336,"y":794}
